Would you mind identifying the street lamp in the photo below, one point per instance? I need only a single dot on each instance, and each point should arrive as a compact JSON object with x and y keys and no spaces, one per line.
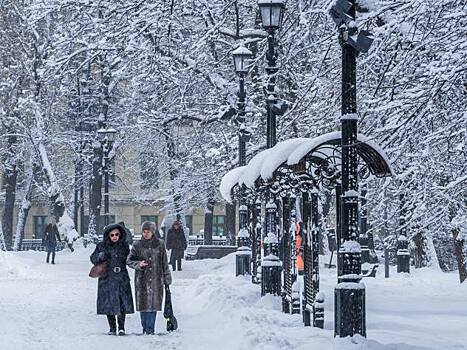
{"x":271,"y":12}
{"x":107,"y":138}
{"x":241,"y":59}
{"x":349,"y":294}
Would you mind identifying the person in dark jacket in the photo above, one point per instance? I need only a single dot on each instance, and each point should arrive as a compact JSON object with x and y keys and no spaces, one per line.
{"x":114,"y":296}
{"x":149,"y":258}
{"x":176,"y":241}
{"x":51,"y":236}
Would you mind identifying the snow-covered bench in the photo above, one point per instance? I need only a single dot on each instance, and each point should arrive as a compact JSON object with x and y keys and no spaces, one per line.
{"x":208,"y":252}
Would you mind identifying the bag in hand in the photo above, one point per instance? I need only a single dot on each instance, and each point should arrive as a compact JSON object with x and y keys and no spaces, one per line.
{"x":99,"y":270}
{"x":172,"y":324}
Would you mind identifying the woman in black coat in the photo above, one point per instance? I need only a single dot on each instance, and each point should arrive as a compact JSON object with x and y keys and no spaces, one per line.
{"x":114,"y":297}
{"x":177,"y":242}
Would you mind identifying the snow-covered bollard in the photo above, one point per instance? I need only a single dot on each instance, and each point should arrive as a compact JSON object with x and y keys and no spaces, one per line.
{"x":295,"y":298}
{"x":318,"y":310}
{"x":243,"y":257}
{"x":271,"y":267}
{"x":403,"y":255}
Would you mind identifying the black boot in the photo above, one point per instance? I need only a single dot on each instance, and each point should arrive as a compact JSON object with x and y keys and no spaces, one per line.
{"x":179,"y":263}
{"x":121,"y":324}
{"x":112,"y":325}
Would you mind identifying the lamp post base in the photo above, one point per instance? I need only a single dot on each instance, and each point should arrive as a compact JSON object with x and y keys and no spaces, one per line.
{"x":403,"y":261}
{"x":271,"y":275}
{"x":243,"y":261}
{"x":349,"y":315}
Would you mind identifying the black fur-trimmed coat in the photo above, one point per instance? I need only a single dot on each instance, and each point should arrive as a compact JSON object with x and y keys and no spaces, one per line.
{"x":113,"y":290}
{"x":150,"y":280}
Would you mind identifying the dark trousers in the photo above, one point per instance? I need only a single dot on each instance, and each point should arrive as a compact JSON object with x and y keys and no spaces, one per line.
{"x":51,"y":250}
{"x":112,"y":319}
{"x":176,"y":262}
{"x":148,"y":321}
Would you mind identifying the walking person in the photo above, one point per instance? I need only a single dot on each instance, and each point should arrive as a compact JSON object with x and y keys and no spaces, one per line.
{"x":51,"y":236}
{"x":114,"y":297}
{"x":149,"y":258}
{"x":176,"y":241}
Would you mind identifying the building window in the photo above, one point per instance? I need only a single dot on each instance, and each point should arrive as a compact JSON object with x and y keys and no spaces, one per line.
{"x":39,"y":225}
{"x":153,"y":218}
{"x":189,"y":223}
{"x":218,"y":225}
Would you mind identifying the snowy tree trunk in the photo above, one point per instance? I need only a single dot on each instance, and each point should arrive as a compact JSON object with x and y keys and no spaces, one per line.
{"x":459,"y":235}
{"x":95,"y":191}
{"x":23,"y":213}
{"x":64,"y":222}
{"x":420,"y":250}
{"x":2,"y":239}
{"x":460,"y":251}
{"x":230,"y":223}
{"x":208,"y":218}
{"x":9,"y":187}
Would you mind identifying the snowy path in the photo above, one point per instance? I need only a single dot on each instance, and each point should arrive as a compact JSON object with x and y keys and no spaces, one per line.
{"x":53,"y":307}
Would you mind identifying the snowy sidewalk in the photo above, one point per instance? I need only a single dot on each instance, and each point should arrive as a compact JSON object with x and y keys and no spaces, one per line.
{"x":53,"y":307}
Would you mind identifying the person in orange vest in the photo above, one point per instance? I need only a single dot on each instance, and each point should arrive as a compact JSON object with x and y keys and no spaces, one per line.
{"x":299,"y":249}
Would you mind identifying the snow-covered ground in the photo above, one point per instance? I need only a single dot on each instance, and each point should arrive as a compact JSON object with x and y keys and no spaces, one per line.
{"x":53,"y":307}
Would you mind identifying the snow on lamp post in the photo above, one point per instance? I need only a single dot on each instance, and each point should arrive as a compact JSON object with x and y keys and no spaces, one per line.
{"x":241,"y":59}
{"x":271,"y":12}
{"x":107,"y":138}
{"x":350,"y":292}
{"x":403,"y":254}
{"x":271,"y":265}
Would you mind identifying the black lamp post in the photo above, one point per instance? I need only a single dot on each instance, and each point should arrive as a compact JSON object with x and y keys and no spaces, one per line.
{"x":107,"y":138}
{"x":241,"y":58}
{"x":349,"y":292}
{"x":271,"y":12}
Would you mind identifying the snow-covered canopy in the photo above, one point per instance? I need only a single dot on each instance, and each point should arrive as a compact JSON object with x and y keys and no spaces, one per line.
{"x":292,"y":151}
{"x":229,"y":181}
{"x":334,"y":138}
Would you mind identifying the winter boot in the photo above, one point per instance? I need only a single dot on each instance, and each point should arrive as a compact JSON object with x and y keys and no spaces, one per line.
{"x":121,"y":324}
{"x":112,"y":325}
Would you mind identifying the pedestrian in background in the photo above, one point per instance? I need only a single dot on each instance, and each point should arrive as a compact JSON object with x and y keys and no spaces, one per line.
{"x":176,"y":242}
{"x":51,"y":236}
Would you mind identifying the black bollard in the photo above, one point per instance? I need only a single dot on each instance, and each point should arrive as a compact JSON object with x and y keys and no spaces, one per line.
{"x":386,"y":262}
{"x":403,"y":255}
{"x":243,"y":255}
{"x":318,"y":311}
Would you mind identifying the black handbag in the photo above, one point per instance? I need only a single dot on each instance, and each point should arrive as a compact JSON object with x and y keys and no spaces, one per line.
{"x":172,"y":323}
